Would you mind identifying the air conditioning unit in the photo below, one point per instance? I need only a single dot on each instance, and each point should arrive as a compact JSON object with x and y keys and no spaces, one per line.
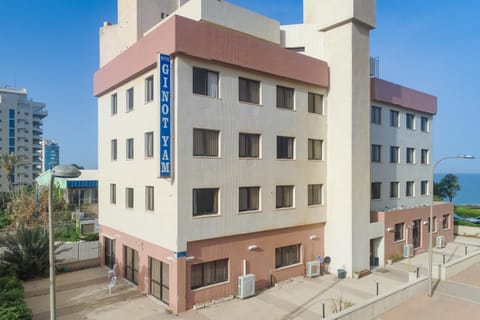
{"x":246,"y":286}
{"x":313,"y":268}
{"x":408,"y":251}
{"x":440,"y":242}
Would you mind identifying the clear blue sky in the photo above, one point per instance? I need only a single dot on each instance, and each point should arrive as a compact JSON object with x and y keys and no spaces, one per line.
{"x":50,"y":47}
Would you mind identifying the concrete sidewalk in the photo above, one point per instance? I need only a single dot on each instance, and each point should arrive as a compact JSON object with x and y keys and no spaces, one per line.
{"x":83,"y":294}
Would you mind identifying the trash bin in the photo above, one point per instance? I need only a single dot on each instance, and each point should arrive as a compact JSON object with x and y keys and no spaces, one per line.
{"x":341,"y":273}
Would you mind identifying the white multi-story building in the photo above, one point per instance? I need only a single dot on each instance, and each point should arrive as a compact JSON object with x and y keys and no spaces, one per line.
{"x":228,"y":147}
{"x":21,"y":121}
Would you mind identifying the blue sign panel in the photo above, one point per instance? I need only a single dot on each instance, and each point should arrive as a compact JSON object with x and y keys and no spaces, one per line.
{"x":165,"y":116}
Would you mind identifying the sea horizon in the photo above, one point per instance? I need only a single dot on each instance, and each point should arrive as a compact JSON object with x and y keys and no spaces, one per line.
{"x":469,"y":188}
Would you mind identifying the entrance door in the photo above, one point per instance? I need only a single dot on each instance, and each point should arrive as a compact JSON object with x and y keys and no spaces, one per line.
{"x":416,"y":233}
{"x":131,"y":265}
{"x":159,"y":280}
{"x":109,"y":256}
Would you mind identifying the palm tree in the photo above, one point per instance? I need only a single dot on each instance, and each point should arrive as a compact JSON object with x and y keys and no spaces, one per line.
{"x":8,"y":163}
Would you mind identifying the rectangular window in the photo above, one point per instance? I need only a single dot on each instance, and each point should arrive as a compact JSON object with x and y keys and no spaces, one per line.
{"x":315,"y":148}
{"x":131,"y":264}
{"x":205,"y":142}
{"x":205,"y":82}
{"x":113,"y":149}
{"x":149,"y":89}
{"x":205,"y":201}
{"x":424,"y":156}
{"x":159,"y":280}
{"x":394,"y":189}
{"x":149,"y":198}
{"x":249,"y":90}
{"x":376,"y":115}
{"x":208,"y":273}
{"x":113,"y":193}
{"x":410,"y":121}
{"x":129,"y":102}
{"x":285,"y":97}
{"x":425,"y":124}
{"x":249,"y":145}
{"x":376,"y":190}
{"x":446,"y":221}
{"x":399,"y":231}
{"x":424,"y":188}
{"x":315,"y":103}
{"x":394,"y":116}
{"x":129,"y":148}
{"x":148,"y":144}
{"x":410,"y":155}
{"x":376,"y":153}
{"x":287,"y":256}
{"x":113,"y":104}
{"x":284,"y":197}
{"x":249,"y":198}
{"x":315,"y":194}
{"x":434,"y":224}
{"x":394,"y":154}
{"x":410,"y":189}
{"x":285,"y":147}
{"x":129,"y":197}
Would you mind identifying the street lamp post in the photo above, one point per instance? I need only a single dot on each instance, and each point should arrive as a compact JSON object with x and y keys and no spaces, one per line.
{"x":430,"y":238}
{"x":60,"y":171}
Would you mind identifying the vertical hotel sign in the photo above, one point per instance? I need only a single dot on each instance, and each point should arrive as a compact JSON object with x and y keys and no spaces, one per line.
{"x":165,"y":117}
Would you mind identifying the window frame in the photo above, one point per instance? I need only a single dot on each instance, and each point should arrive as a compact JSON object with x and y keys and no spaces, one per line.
{"x":425,"y":124}
{"x":312,"y":104}
{"x":424,"y":157}
{"x":114,"y":104}
{"x":219,"y":276}
{"x":284,"y":258}
{"x":215,"y":205}
{"x":114,"y":150}
{"x":246,"y":206}
{"x":399,"y":232}
{"x":376,"y":153}
{"x":410,"y":188}
{"x":203,"y":150}
{"x":248,"y":96}
{"x":280,"y":192}
{"x":129,"y":103}
{"x":446,"y":221}
{"x":285,"y":98}
{"x":394,"y":154}
{"x":113,"y":193}
{"x":205,"y":75}
{"x":394,"y":189}
{"x":410,"y":121}
{"x":246,"y":145}
{"x":376,"y":115}
{"x":129,"y":198}
{"x":424,"y":187}
{"x":313,"y":149}
{"x":315,"y":194}
{"x":149,"y":89}
{"x":149,"y":198}
{"x":376,"y":193}
{"x":285,"y":152}
{"x":149,"y":144}
{"x":394,"y":119}
{"x":129,"y":149}
{"x":410,"y":156}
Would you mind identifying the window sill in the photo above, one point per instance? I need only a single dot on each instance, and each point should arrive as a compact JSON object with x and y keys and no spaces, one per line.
{"x":289,"y":266}
{"x":398,"y":241}
{"x":212,"y":215}
{"x":206,"y":96}
{"x":316,"y":205}
{"x":249,"y":211}
{"x":148,"y":158}
{"x":286,"y":109}
{"x":316,"y":160}
{"x":284,"y":208}
{"x":249,"y":158}
{"x":285,"y":159}
{"x":149,"y":102}
{"x":207,"y":157}
{"x":251,"y":103}
{"x":210,"y":286}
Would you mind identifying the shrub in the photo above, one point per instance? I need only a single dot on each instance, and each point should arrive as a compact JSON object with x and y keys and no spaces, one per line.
{"x":12,"y":305}
{"x":91,"y":237}
{"x":339,"y":304}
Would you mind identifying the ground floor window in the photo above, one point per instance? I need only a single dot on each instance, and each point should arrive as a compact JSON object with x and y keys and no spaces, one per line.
{"x":446,"y":221}
{"x":159,"y":280}
{"x":131,"y":264}
{"x":109,"y":250}
{"x":398,"y":231}
{"x":285,"y":256}
{"x":205,"y":274}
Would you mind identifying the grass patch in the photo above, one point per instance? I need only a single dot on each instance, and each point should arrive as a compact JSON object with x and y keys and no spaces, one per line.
{"x":465,"y":223}
{"x":467,"y":211}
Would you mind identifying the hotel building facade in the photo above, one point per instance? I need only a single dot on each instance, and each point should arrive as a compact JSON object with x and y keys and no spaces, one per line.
{"x":231,"y":145}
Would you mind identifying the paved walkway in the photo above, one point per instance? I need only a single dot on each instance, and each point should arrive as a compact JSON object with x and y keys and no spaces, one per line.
{"x":83,"y":295}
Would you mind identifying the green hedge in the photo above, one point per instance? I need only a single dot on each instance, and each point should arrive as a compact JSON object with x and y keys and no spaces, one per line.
{"x":12,"y":304}
{"x":467,"y":212}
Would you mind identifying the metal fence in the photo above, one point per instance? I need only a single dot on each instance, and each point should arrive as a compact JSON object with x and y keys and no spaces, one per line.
{"x":77,"y":251}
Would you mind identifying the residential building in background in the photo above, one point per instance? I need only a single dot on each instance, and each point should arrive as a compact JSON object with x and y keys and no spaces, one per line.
{"x":21,"y":129}
{"x":50,"y":154}
{"x":234,"y":155}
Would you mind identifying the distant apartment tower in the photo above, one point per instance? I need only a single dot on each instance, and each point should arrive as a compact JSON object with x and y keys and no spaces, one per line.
{"x":50,"y":154}
{"x":21,"y":121}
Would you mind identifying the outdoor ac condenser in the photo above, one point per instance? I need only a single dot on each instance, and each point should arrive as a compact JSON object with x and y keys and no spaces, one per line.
{"x":246,"y":286}
{"x":313,"y":268}
{"x":408,"y":251}
{"x":440,"y":242}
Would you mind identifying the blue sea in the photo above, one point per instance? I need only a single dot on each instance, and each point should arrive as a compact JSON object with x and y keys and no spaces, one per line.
{"x":469,"y":187}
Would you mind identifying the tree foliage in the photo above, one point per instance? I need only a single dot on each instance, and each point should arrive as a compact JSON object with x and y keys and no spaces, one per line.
{"x":447,"y":187}
{"x":8,"y":164}
{"x":27,"y":252}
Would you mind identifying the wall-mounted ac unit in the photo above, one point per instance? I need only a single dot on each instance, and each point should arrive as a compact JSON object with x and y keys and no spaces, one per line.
{"x":440,"y":242}
{"x":408,"y":251}
{"x":246,"y":286}
{"x":313,"y":268}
